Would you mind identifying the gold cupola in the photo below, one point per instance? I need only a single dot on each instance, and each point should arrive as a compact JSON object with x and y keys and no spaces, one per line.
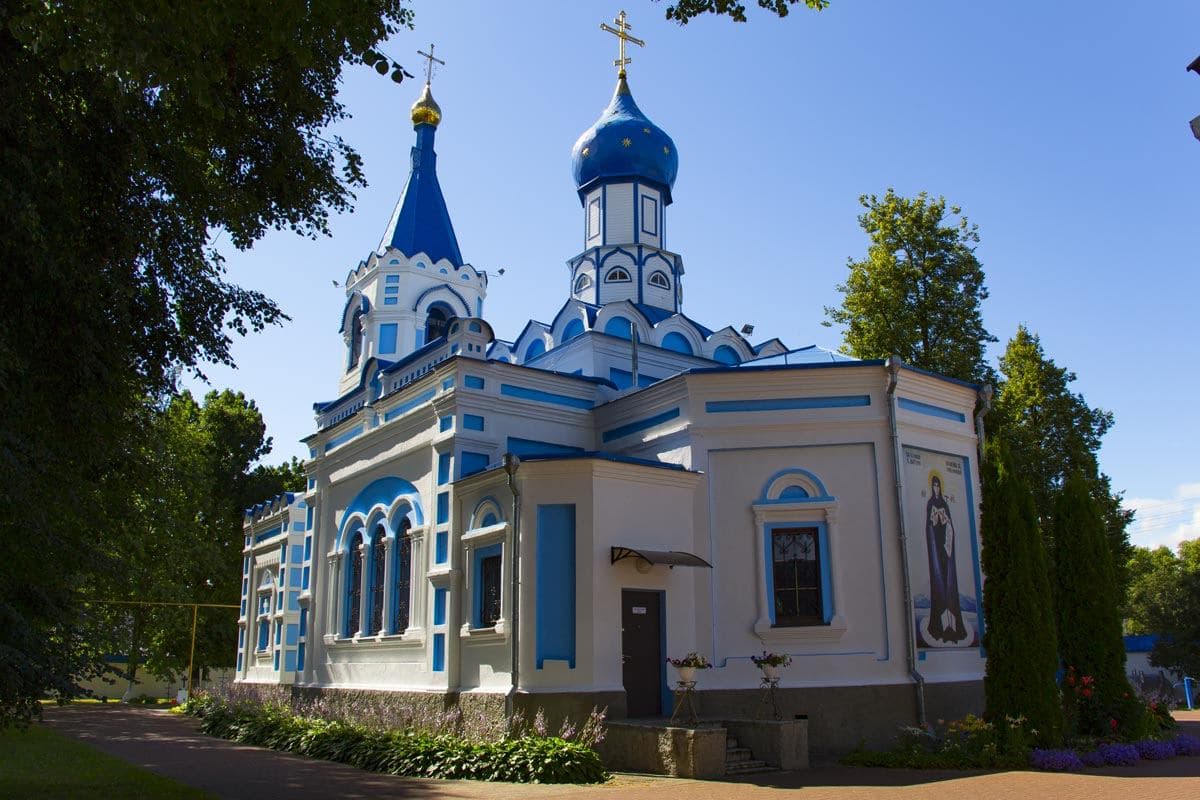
{"x":426,"y":110}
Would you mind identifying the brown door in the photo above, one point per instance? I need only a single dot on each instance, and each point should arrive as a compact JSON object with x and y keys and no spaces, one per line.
{"x":641,"y":646}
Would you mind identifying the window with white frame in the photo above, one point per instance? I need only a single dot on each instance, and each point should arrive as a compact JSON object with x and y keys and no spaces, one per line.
{"x":795,"y":522}
{"x":617,"y":275}
{"x":485,"y":543}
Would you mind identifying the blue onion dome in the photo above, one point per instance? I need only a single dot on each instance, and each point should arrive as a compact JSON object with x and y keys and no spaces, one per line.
{"x":624,"y":143}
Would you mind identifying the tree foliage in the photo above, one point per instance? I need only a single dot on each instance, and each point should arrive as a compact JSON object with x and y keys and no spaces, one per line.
{"x":1163,"y":598}
{"x":1087,"y":606}
{"x":1051,"y":433}
{"x":134,"y":135}
{"x":180,"y":536}
{"x":683,"y":11}
{"x":917,"y":294}
{"x":1019,"y":633}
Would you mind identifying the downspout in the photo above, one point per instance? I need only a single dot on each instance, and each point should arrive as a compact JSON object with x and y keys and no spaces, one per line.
{"x":511,"y":464}
{"x":633,"y":356}
{"x":893,"y":365}
{"x":985,"y":405}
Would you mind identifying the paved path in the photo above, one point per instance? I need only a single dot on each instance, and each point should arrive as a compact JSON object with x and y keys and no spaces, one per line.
{"x":171,"y":745}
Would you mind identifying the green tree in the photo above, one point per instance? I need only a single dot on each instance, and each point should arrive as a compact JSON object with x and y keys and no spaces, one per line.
{"x":917,"y":294}
{"x":1052,"y":432}
{"x":1019,"y":633}
{"x":683,"y":11}
{"x":182,"y":536}
{"x":134,"y":134}
{"x":1087,"y":606}
{"x":1164,"y":593}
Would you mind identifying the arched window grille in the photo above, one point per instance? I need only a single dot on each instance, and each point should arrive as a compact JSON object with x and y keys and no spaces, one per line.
{"x":378,"y":565}
{"x":584,"y":281}
{"x":659,"y":278}
{"x":356,"y":339}
{"x":435,"y":321}
{"x":617,"y":275}
{"x":402,"y":569}
{"x":354,"y":573}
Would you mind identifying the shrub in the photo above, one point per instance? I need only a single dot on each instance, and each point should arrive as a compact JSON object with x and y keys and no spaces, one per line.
{"x":1092,"y":758}
{"x":523,"y":758}
{"x":969,"y":743}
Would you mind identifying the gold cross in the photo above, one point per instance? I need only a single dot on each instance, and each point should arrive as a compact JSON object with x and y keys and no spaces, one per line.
{"x":429,"y":63}
{"x":622,"y":34}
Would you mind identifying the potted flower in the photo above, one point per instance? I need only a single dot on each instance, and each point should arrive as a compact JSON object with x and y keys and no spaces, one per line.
{"x":688,"y":665}
{"x":769,"y":663}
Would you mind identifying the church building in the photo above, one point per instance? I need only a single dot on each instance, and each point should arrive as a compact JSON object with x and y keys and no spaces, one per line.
{"x":546,"y":520}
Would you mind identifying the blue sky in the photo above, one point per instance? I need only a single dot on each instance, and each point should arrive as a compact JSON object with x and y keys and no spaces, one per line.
{"x":1059,"y":128}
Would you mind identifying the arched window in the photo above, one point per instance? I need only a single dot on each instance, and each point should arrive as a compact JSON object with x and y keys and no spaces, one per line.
{"x":617,"y":275}
{"x":535,"y":349}
{"x":354,"y":572}
{"x":435,"y":321}
{"x":263,"y":617}
{"x":677,"y":342}
{"x":574,"y":328}
{"x":584,"y":281}
{"x":659,"y":278}
{"x":356,"y":339}
{"x":402,"y":570}
{"x":619,"y":327}
{"x":378,"y":564}
{"x":726,"y":355}
{"x":489,"y":520}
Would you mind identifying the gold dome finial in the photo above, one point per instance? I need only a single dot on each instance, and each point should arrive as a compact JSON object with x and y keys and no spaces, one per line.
{"x":426,"y":110}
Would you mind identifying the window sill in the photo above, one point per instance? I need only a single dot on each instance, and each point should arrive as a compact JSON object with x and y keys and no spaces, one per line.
{"x":414,"y":637}
{"x":831,"y":632}
{"x":499,"y":633}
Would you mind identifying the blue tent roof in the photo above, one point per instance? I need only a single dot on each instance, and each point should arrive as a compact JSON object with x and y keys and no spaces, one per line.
{"x":421,"y":222}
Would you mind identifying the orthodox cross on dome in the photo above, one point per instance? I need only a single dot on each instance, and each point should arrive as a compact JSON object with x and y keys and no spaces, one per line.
{"x":622,"y":33}
{"x":429,"y":59}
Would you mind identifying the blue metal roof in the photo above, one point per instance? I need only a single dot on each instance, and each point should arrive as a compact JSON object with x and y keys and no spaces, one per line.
{"x":421,"y":223}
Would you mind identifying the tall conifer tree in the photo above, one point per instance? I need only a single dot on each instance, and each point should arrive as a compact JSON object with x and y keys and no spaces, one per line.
{"x":1019,"y":635}
{"x":1087,"y":607}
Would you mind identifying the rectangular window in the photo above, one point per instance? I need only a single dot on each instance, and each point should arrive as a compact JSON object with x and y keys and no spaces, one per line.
{"x":649,"y":215}
{"x":489,"y":590}
{"x":387,"y":337}
{"x":439,"y":606}
{"x":473,"y":382}
{"x":593,"y":218}
{"x":391,"y":301}
{"x":439,"y":652}
{"x":392,"y":278}
{"x":443,"y":469}
{"x":470,"y":463}
{"x":473,"y":422}
{"x":796,"y":576}
{"x":443,"y":508}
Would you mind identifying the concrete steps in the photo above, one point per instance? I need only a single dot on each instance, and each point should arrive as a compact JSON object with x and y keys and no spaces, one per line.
{"x":741,"y":761}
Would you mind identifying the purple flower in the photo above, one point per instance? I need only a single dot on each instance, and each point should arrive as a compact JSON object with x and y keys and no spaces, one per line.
{"x":1055,"y":760}
{"x":1118,"y":755}
{"x":1092,"y":758}
{"x":1186,"y":745}
{"x":1155,"y":750}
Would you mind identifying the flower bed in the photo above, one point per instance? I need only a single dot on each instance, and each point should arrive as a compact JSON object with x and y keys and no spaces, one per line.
{"x":526,"y":758}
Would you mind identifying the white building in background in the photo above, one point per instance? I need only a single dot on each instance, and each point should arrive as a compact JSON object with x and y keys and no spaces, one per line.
{"x":675,"y":488}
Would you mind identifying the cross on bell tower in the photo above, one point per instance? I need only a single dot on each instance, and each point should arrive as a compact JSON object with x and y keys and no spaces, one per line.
{"x":429,"y":59}
{"x":622,"y":34}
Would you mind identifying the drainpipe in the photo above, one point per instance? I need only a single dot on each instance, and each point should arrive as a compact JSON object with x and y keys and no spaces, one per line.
{"x":893,"y":365}
{"x":511,"y":464}
{"x":633,"y":358}
{"x":985,"y":405}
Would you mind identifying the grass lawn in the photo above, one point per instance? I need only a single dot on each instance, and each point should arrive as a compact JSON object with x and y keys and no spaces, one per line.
{"x":39,"y":763}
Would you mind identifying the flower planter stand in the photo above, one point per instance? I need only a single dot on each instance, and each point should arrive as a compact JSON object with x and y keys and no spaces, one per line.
{"x":766,"y":696}
{"x":685,"y":698}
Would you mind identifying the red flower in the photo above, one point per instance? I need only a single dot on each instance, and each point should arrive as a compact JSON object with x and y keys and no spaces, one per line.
{"x":1112,"y":723}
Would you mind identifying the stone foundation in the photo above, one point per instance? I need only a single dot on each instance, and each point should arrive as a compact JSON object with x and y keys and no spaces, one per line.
{"x":658,"y":749}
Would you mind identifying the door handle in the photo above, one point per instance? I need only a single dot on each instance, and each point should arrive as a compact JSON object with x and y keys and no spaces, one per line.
{"x":626,"y":659}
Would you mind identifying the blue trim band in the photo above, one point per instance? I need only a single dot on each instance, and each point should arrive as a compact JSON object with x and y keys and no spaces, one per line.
{"x":341,"y":439}
{"x":787,"y":403}
{"x":404,"y":408}
{"x":639,"y":425}
{"x":930,"y":410}
{"x":539,"y":396}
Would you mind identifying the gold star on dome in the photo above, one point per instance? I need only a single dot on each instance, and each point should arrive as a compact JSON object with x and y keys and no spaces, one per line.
{"x":666,"y":151}
{"x":626,"y":142}
{"x":586,"y":151}
{"x":646,"y":131}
